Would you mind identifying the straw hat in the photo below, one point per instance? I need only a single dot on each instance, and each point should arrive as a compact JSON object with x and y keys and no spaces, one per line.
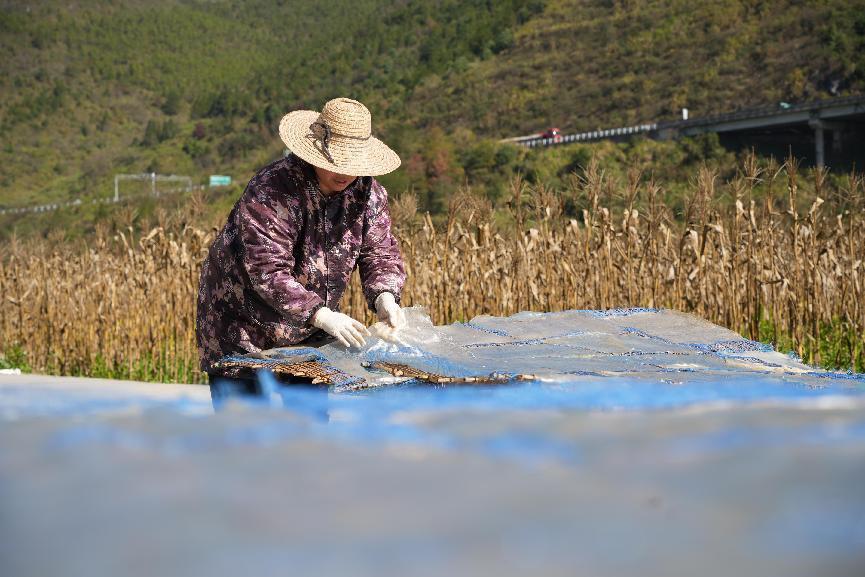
{"x":338,"y":139}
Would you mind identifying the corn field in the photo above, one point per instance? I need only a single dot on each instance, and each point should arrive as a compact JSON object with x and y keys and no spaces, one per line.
{"x":753,"y":254}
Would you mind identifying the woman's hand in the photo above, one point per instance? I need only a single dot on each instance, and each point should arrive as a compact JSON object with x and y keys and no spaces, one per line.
{"x":346,"y":330}
{"x":388,"y":311}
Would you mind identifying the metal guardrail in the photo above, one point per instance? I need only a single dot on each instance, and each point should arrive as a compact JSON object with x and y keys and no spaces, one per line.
{"x":78,"y":202}
{"x":591,"y":135}
{"x":745,"y":114}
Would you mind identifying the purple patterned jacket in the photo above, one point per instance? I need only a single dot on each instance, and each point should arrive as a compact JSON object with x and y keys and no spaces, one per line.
{"x":286,"y":251}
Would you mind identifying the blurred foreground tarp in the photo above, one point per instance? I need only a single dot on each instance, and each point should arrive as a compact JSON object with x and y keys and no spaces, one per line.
{"x":637,"y":442}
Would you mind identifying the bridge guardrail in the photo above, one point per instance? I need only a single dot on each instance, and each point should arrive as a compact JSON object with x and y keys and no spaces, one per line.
{"x":756,"y":112}
{"x":774,"y":110}
{"x":599,"y":134}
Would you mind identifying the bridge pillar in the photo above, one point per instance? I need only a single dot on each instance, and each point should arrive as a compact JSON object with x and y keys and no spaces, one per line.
{"x":819,"y":142}
{"x":820,"y":149}
{"x":820,"y":126}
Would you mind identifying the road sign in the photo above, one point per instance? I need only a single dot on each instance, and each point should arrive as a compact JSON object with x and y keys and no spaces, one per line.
{"x":219,"y":180}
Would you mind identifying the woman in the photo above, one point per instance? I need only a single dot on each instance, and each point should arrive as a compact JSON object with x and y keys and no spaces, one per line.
{"x":276,"y":272}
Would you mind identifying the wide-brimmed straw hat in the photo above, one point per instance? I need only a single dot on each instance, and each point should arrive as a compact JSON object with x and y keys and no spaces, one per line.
{"x":339,"y":139}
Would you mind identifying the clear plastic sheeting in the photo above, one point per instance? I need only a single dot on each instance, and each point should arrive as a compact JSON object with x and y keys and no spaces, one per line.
{"x":650,"y":443}
{"x":674,"y":358}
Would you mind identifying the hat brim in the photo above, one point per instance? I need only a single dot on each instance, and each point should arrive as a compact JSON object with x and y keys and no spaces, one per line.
{"x":370,"y":157}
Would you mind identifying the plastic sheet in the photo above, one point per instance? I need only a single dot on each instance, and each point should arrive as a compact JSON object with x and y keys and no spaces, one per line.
{"x":673,"y":357}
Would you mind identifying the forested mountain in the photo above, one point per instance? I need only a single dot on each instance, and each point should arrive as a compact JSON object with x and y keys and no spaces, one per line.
{"x":584,"y":64}
{"x":91,"y":88}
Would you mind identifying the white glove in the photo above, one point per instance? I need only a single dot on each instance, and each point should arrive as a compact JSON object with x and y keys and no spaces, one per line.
{"x":388,"y":311}
{"x":347,"y":330}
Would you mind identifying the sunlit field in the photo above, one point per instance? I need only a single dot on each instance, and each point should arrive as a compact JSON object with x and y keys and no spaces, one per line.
{"x":755,"y":254}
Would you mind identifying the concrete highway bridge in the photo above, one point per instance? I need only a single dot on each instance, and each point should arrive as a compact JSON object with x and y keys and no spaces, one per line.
{"x":804,"y":128}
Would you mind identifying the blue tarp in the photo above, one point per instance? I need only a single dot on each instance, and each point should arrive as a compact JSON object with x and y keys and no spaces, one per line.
{"x":646,"y":442}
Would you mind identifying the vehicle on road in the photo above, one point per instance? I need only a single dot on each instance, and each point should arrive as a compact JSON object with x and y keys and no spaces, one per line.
{"x":553,"y":133}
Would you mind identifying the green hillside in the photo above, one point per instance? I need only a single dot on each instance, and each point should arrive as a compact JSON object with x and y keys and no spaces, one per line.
{"x":98,"y":87}
{"x":582,"y":64}
{"x":95,"y":88}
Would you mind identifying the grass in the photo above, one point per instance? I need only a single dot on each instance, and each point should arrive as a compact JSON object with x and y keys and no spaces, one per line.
{"x":14,"y":357}
{"x":837,"y":345}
